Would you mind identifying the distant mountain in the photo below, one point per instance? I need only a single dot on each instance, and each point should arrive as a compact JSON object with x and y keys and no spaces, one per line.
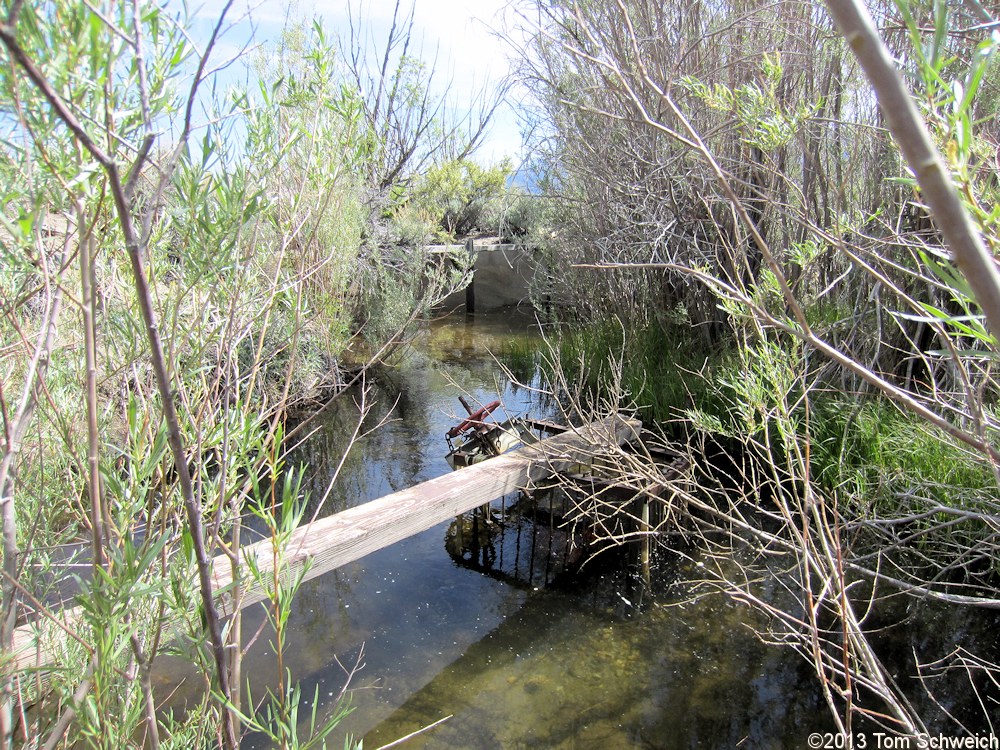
{"x":527,"y":178}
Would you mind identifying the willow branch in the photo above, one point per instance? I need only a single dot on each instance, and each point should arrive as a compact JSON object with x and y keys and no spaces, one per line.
{"x":136,"y":250}
{"x":908,"y":129}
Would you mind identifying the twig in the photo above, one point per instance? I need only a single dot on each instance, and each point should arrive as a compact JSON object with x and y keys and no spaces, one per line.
{"x":904,"y":122}
{"x":411,"y":735}
{"x":55,"y":737}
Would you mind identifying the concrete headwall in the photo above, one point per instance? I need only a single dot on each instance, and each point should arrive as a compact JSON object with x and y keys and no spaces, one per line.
{"x":501,"y":277}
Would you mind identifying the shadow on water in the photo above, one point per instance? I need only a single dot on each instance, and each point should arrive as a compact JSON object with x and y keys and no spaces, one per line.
{"x":465,"y":620}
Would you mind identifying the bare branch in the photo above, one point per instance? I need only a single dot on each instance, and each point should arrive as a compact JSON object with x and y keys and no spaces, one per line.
{"x":907,"y":127}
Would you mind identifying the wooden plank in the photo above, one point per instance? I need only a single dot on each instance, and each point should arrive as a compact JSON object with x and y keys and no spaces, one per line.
{"x":336,"y":540}
{"x":553,"y":428}
{"x":347,"y":536}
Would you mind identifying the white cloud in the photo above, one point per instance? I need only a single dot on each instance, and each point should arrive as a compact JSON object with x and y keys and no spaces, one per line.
{"x":460,"y":33}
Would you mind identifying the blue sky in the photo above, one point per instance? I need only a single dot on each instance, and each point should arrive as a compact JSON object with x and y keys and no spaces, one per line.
{"x":460,"y":32}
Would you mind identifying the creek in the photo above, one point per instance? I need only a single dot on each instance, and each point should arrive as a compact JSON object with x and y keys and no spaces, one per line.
{"x":590,"y":661}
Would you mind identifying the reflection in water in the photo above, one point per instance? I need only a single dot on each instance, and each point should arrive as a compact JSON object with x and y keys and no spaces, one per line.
{"x":472,"y":620}
{"x":512,"y":542}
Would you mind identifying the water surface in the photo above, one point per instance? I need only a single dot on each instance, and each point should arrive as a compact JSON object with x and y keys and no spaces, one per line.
{"x":518,"y":658}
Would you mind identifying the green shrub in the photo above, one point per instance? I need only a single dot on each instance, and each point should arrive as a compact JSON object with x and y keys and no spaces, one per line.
{"x":457,"y":198}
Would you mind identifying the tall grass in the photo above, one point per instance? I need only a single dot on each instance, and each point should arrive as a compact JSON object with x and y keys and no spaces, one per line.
{"x":664,"y":370}
{"x":870,"y":451}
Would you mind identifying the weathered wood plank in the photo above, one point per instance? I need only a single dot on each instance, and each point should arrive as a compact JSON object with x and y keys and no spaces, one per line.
{"x":553,"y":428}
{"x":336,"y":540}
{"x":347,"y":536}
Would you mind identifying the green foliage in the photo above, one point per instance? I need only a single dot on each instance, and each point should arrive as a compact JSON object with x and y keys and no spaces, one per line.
{"x":763,"y":385}
{"x":662,"y":370}
{"x":522,"y":357}
{"x":305,"y":145}
{"x":252,"y":247}
{"x":277,"y":716}
{"x":395,"y":288}
{"x":119,"y":610}
{"x":872,"y":453}
{"x":763,"y":118}
{"x":458,"y":197}
{"x":958,"y":104}
{"x":524,"y":219}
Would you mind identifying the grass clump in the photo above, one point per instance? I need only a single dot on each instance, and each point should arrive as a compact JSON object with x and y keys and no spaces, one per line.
{"x":876,"y":454}
{"x":663,"y":369}
{"x":522,"y":356}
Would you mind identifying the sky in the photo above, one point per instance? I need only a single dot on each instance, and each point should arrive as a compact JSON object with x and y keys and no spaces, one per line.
{"x":461,"y":33}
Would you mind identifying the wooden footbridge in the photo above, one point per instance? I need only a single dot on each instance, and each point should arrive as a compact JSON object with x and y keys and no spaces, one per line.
{"x":336,"y":540}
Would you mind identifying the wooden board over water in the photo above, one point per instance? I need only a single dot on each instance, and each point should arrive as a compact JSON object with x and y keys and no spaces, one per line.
{"x":349,"y":535}
{"x":344,"y":537}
